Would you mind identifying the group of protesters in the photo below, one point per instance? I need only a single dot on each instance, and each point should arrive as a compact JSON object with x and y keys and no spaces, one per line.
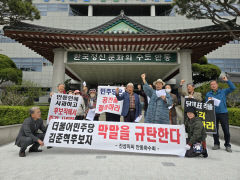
{"x":159,"y":108}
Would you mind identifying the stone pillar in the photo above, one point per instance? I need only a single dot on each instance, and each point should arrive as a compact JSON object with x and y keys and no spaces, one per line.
{"x":185,"y":68}
{"x":90,"y":10}
{"x":58,"y":68}
{"x":153,"y":10}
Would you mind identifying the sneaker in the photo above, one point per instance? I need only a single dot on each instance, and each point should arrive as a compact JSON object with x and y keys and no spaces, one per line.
{"x":22,"y":153}
{"x":228,"y":149}
{"x":216,"y":147}
{"x":204,"y":153}
{"x":49,"y":147}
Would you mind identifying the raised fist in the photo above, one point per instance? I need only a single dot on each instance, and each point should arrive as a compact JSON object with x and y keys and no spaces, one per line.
{"x":143,"y":76}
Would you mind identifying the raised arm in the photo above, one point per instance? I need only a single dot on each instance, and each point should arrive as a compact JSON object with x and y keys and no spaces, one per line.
{"x":146,"y":88}
{"x":119,"y":97}
{"x":180,"y":89}
{"x":231,"y":88}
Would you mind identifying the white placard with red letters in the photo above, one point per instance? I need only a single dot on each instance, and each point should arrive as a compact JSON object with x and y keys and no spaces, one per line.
{"x":63,"y":106}
{"x":107,"y":101}
{"x":117,"y":136}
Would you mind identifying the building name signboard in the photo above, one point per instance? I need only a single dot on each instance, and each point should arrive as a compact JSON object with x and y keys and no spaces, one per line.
{"x":122,"y":57}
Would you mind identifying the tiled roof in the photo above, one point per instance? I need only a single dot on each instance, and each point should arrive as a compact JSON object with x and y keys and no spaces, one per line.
{"x":141,"y":29}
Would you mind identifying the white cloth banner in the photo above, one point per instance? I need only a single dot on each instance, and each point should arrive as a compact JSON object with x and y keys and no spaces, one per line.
{"x":63,"y":106}
{"x":117,"y":136}
{"x":107,"y":101}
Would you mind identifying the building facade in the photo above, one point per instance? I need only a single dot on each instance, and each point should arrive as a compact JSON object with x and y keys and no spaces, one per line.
{"x":88,"y":14}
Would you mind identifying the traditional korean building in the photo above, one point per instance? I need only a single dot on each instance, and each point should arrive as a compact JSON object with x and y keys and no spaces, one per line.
{"x":119,"y":50}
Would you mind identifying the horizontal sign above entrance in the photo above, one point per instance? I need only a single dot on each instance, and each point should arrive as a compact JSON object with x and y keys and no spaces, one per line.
{"x":122,"y":57}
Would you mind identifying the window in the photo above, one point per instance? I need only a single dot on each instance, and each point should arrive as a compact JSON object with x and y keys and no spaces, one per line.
{"x":4,"y":39}
{"x":130,"y":10}
{"x":31,"y":64}
{"x":78,"y":10}
{"x":164,"y":10}
{"x":44,"y":8}
{"x":226,"y":65}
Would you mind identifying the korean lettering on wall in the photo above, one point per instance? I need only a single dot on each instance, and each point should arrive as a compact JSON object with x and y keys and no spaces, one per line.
{"x":122,"y":57}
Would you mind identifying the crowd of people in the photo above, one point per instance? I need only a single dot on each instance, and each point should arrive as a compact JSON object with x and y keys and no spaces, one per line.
{"x":159,"y":105}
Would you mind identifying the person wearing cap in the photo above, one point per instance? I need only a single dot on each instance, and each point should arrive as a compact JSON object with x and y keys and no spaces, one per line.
{"x":196,"y":134}
{"x":190,"y":91}
{"x":221,"y":111}
{"x":82,"y":108}
{"x":92,"y":102}
{"x":157,"y":111}
{"x":131,"y":103}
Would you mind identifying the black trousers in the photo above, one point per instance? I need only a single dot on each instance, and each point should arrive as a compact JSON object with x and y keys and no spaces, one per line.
{"x":27,"y":141}
{"x":112,"y":117}
{"x":79,"y":117}
{"x":223,"y":119}
{"x":130,"y":116}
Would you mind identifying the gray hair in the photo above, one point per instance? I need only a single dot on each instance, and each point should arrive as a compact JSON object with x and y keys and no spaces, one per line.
{"x":130,"y":84}
{"x":61,"y":84}
{"x":191,"y":84}
{"x":33,"y":109}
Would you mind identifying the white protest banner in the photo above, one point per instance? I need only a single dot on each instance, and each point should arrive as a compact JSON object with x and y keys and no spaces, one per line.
{"x":117,"y":136}
{"x":63,"y":106}
{"x":107,"y":101}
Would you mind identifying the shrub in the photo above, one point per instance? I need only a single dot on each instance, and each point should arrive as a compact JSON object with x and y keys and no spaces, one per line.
{"x":234,"y":116}
{"x":16,"y":114}
{"x":21,"y":95}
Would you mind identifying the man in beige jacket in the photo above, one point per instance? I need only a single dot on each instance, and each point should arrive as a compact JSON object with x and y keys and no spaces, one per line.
{"x":190,"y":91}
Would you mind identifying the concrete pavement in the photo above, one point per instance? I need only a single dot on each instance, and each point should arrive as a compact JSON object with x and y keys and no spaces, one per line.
{"x":74,"y":164}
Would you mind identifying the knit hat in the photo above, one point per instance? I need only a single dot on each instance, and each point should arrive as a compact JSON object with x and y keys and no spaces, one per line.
{"x":191,"y":109}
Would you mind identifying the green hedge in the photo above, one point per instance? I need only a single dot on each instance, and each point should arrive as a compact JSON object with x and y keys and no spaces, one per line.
{"x":16,"y":114}
{"x":234,"y":116}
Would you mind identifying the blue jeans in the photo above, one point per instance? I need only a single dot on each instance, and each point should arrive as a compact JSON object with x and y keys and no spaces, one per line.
{"x":223,"y":119}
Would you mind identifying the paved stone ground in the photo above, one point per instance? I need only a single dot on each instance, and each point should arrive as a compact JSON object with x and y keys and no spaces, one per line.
{"x":74,"y":164}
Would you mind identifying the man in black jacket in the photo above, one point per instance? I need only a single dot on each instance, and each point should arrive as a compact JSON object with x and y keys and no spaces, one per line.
{"x":28,"y":133}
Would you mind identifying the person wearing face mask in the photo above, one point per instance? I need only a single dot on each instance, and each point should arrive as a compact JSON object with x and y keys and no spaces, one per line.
{"x":92,"y":102}
{"x":172,"y":110}
{"x":157,"y":111}
{"x":190,"y":91}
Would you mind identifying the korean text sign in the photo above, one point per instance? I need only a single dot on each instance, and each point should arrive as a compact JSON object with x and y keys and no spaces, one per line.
{"x":107,"y":100}
{"x":63,"y":106}
{"x":115,"y":136}
{"x":205,"y":111}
